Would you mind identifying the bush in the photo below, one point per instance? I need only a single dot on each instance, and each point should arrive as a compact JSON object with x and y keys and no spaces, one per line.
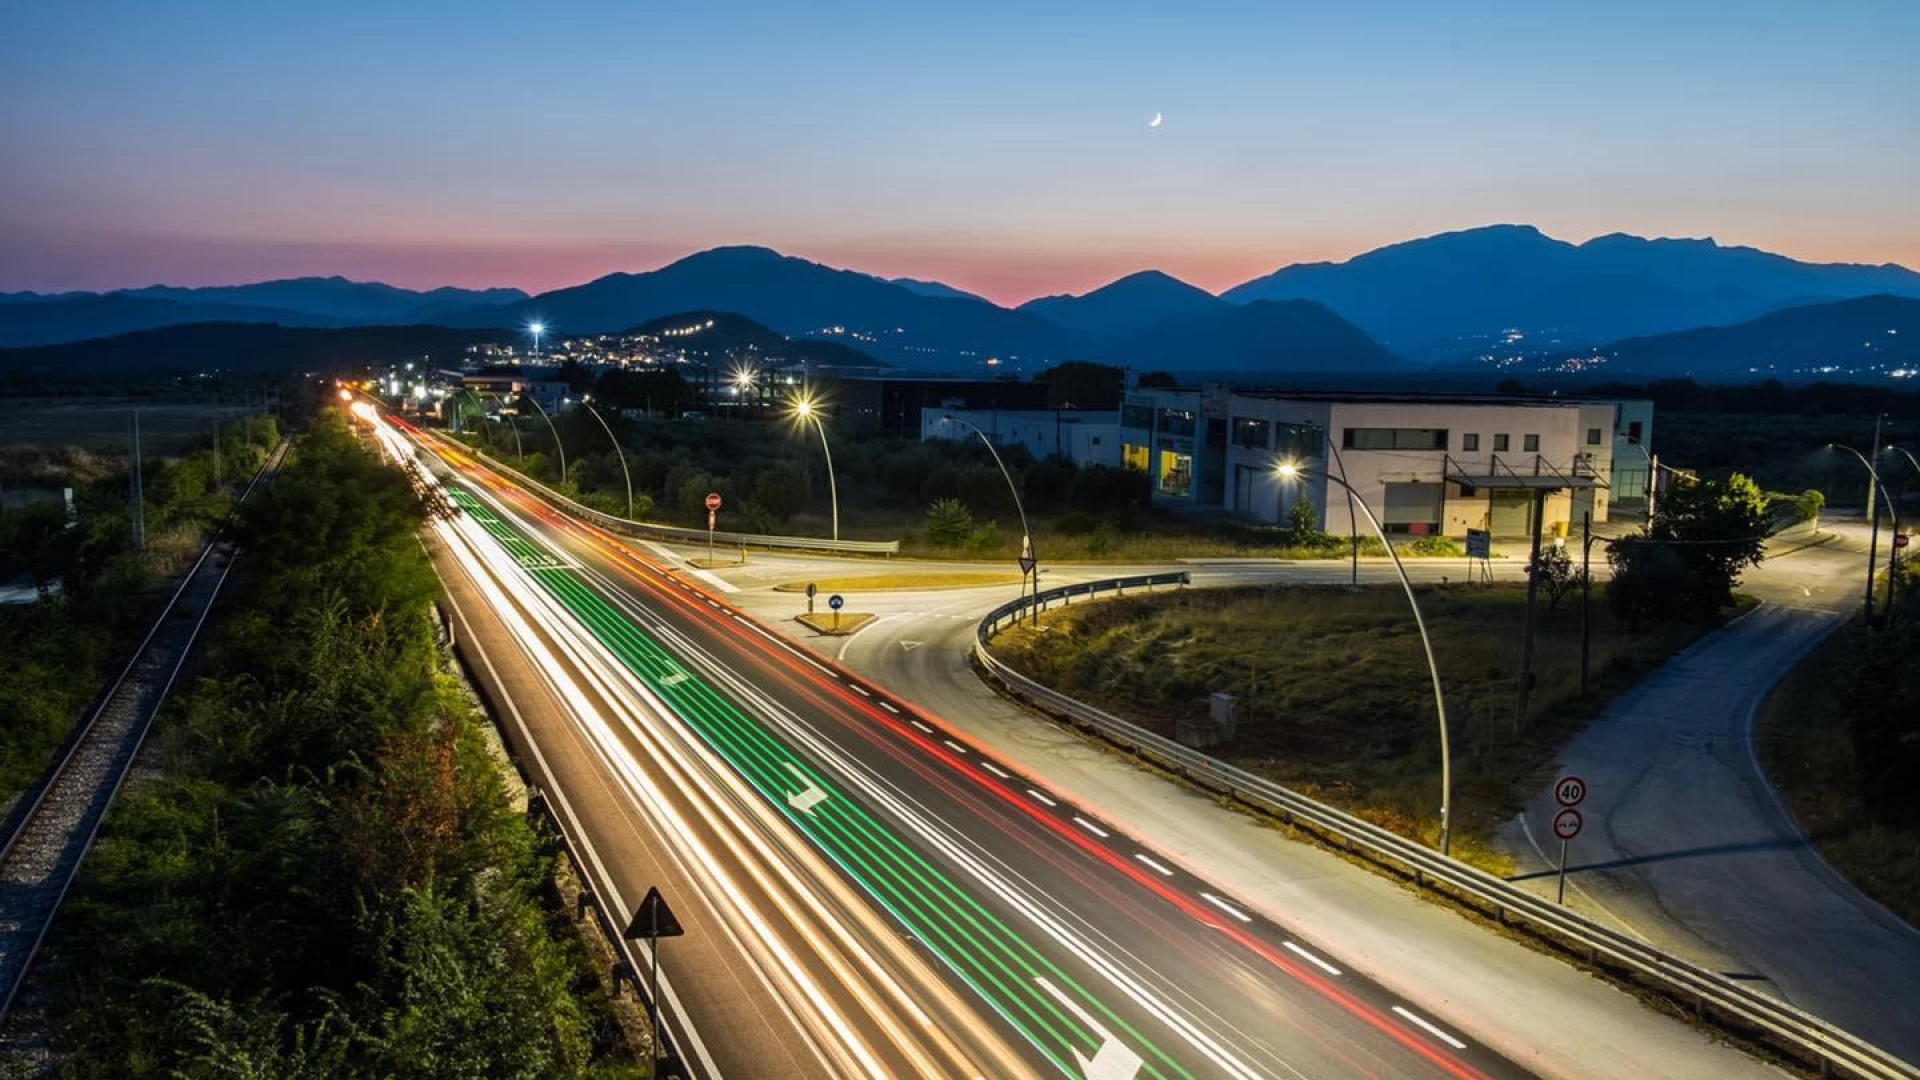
{"x":1075,"y":524}
{"x":949,"y":522}
{"x":985,"y":540}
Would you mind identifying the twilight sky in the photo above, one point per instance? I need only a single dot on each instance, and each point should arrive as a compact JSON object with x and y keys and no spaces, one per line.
{"x":1001,"y":147}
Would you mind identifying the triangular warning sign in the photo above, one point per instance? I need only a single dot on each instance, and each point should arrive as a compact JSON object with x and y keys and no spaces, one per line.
{"x":653,"y":919}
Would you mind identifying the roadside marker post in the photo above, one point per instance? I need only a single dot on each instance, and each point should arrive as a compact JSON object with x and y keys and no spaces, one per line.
{"x":713,"y":506}
{"x":836,"y":602}
{"x":1569,"y":792}
{"x":651,"y":921}
{"x":812,"y":591}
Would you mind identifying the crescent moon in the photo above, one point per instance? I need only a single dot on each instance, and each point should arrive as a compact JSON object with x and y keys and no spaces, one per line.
{"x":1155,"y":122}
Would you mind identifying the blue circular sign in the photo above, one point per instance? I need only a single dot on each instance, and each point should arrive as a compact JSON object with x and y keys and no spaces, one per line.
{"x":836,"y":601}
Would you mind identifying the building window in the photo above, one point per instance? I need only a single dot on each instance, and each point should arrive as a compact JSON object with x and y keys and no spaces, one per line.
{"x":1133,"y":457}
{"x":1252,"y":434}
{"x":1137,"y":416}
{"x":1470,"y":442}
{"x":1393,"y":439}
{"x":1499,"y":444}
{"x":1176,"y":421}
{"x":1530,"y":444}
{"x":1633,"y":430}
{"x":1176,"y":474}
{"x":1593,"y":436}
{"x":1296,"y":442}
{"x":1095,"y":439}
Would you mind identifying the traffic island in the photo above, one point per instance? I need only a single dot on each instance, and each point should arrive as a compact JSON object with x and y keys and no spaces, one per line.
{"x":836,"y":624}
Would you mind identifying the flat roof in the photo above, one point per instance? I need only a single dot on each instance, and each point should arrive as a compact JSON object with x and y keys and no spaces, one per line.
{"x":1410,"y":397}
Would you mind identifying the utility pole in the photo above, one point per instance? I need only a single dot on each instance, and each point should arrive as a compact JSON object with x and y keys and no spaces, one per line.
{"x":1873,"y":515}
{"x":139,"y":506}
{"x":1653,"y":486}
{"x":1586,"y":597}
{"x":1533,"y":600}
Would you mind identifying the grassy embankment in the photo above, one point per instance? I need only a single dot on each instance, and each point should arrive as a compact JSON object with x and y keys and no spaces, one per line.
{"x":1335,"y":698}
{"x":320,"y":870}
{"x":1807,"y":747}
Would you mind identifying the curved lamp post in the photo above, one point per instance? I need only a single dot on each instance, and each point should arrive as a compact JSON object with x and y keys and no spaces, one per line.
{"x":560,"y":449}
{"x":808,"y":411}
{"x":1353,"y":526}
{"x":585,"y":403}
{"x":1873,"y":513}
{"x":1026,"y":534}
{"x":1289,"y":471}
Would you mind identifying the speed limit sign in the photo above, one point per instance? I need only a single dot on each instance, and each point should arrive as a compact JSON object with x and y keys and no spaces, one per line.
{"x":1570,"y":791}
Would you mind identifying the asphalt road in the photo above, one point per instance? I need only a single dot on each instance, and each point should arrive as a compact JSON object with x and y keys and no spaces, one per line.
{"x":925,"y":886}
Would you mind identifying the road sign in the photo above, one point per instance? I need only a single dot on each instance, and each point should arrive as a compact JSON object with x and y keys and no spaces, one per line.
{"x":812,"y":590}
{"x":653,"y":919}
{"x":1566,"y":823}
{"x":1027,"y":563}
{"x":713,"y":501}
{"x":1479,"y":544}
{"x":836,"y":601}
{"x":1570,"y":790}
{"x":709,"y":528}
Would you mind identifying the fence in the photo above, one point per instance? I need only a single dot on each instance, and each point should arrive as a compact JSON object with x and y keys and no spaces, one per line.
{"x":1738,"y":1008}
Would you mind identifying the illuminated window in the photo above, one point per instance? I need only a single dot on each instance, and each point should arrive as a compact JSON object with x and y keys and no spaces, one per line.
{"x":1134,"y":457}
{"x":1176,"y":474}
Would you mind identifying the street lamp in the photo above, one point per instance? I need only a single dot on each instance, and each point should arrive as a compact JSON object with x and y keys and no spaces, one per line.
{"x":536,"y":329}
{"x":1873,"y":514}
{"x":1026,"y":534}
{"x":1289,"y":471}
{"x":585,"y":403}
{"x":1653,"y":476}
{"x":557,"y":446}
{"x":806,"y":410}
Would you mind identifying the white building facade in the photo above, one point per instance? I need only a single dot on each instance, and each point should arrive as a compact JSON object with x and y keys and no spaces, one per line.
{"x":1426,"y":464}
{"x":1089,"y":437}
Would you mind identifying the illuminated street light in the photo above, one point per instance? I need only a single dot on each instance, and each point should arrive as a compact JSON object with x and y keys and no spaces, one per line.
{"x":1874,"y":483}
{"x":346,"y":395}
{"x":536,"y":329}
{"x":1288,"y":470}
{"x":807,"y":411}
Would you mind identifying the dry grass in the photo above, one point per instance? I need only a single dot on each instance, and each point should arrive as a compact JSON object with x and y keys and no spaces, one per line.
{"x":1335,"y":699}
{"x":1804,"y":746}
{"x":832,"y":625}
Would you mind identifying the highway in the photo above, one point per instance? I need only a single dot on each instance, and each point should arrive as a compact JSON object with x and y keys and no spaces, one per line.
{"x":912,"y":905}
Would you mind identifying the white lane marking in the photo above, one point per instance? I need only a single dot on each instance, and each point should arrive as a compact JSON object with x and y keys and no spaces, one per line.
{"x":1041,"y":797}
{"x":890,"y":707}
{"x":1159,"y":867}
{"x":1090,"y":826}
{"x":954,"y":746}
{"x":1226,"y":907}
{"x":804,"y":801}
{"x":996,"y":770}
{"x":1311,"y":959}
{"x":861,"y":690}
{"x":922,"y":725}
{"x":824,"y":668}
{"x":674,"y":557}
{"x":1114,"y":1060}
{"x":1431,"y":1030}
{"x":675,"y":679}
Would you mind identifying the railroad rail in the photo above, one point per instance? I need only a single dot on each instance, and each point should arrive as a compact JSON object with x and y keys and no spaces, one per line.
{"x":41,"y":858}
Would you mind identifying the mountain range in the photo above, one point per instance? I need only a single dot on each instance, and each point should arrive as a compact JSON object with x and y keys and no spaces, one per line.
{"x":1497,"y":293}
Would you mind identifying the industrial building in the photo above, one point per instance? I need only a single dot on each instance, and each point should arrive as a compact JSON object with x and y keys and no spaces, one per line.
{"x":1088,"y":436}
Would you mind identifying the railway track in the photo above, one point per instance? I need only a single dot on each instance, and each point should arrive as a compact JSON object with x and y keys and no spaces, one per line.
{"x":42,"y":856}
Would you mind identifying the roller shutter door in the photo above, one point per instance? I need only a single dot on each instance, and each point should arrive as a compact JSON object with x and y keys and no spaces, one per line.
{"x":1413,"y":504}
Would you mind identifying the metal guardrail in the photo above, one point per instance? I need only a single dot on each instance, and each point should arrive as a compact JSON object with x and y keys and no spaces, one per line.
{"x":657,"y":531}
{"x":1791,"y":1031}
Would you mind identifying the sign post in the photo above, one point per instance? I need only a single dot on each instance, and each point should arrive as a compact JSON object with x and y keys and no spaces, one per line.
{"x":1569,"y":792}
{"x":836,"y":602}
{"x":713,"y":506}
{"x":651,"y":921}
{"x":812,"y":591}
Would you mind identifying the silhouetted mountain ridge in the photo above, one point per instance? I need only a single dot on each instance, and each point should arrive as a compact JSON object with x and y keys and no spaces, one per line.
{"x":1126,"y":306}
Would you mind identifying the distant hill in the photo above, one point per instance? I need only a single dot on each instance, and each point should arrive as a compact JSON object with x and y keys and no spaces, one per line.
{"x":800,"y":299}
{"x":33,"y":319}
{"x":935,"y":289}
{"x":1862,"y":338}
{"x":232,"y":346}
{"x":1458,"y":293}
{"x":1262,"y":336}
{"x":1124,"y":307}
{"x":740,"y":339}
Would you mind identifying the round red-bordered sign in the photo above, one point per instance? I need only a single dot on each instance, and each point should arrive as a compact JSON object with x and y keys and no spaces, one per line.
{"x":713,"y":501}
{"x":1566,"y":823}
{"x":1570,"y":791}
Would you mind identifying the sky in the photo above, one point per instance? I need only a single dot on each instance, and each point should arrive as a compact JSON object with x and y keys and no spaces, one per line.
{"x":999,"y":147}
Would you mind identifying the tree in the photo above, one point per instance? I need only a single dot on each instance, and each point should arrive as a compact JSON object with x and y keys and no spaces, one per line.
{"x":1717,"y":529}
{"x":1555,"y":572}
{"x":1303,"y":524}
{"x":949,"y":522}
{"x":1649,"y":581}
{"x":1158,"y":380}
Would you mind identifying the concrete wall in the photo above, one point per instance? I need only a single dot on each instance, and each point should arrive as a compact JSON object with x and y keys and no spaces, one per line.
{"x":1088,"y":437}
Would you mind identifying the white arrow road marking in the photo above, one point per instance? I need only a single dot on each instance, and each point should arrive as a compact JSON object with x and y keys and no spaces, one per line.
{"x":910,"y":645}
{"x":1114,"y":1060}
{"x":804,"y":801}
